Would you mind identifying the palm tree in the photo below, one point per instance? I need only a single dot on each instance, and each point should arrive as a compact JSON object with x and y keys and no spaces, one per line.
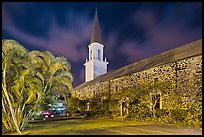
{"x":28,"y":77}
{"x":12,"y":53}
{"x":53,"y":71}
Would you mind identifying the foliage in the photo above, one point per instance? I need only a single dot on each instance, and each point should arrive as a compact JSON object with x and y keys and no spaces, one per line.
{"x":142,"y":105}
{"x":49,"y":99}
{"x":76,"y":105}
{"x":28,"y":78}
{"x":139,"y":111}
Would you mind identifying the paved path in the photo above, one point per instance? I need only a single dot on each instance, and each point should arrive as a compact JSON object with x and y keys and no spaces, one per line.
{"x":149,"y":129}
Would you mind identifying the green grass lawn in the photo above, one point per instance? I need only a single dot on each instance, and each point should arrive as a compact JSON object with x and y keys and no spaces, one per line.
{"x":72,"y":126}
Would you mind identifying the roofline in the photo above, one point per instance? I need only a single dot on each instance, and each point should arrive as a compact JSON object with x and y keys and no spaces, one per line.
{"x":192,"y":44}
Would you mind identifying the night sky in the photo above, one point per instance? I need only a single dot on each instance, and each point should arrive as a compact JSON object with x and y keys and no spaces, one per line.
{"x":130,"y":31}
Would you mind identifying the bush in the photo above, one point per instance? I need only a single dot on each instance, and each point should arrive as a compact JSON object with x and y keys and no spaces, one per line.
{"x":139,"y":112}
{"x":179,"y":114}
{"x":161,"y":113}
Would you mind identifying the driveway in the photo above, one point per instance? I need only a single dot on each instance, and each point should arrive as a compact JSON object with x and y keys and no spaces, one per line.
{"x":148,"y":129}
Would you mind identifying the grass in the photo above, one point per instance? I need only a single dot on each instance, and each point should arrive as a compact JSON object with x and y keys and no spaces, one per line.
{"x":72,"y":126}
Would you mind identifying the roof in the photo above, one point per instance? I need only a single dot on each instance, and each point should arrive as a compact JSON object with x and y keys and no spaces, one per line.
{"x":186,"y":51}
{"x":96,"y":36}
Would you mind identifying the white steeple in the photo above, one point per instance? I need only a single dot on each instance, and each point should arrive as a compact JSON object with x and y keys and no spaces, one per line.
{"x":95,"y":65}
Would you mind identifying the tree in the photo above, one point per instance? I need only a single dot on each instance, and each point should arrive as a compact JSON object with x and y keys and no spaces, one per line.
{"x":12,"y":53}
{"x":28,"y":77}
{"x":53,"y":71}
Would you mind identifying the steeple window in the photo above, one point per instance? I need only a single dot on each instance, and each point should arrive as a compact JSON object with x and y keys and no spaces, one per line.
{"x":91,"y":54}
{"x":99,"y":54}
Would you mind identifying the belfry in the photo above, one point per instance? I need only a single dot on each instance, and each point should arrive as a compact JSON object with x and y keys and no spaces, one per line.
{"x":95,"y":65}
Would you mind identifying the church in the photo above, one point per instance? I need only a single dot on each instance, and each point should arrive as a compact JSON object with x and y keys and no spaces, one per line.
{"x":182,"y":66}
{"x":95,"y":65}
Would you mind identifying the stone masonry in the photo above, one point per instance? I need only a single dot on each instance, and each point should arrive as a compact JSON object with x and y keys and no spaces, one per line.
{"x":182,"y":66}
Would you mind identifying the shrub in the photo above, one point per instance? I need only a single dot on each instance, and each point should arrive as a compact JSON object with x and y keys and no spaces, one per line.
{"x":139,"y":112}
{"x":161,"y":113}
{"x":179,"y":114}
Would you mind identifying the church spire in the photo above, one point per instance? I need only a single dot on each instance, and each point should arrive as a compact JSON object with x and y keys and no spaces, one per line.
{"x":96,"y":36}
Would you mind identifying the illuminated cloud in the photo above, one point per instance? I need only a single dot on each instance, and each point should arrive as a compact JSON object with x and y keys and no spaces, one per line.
{"x":68,"y":42}
{"x":130,"y":32}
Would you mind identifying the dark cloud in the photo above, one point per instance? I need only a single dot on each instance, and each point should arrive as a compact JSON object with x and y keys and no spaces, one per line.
{"x":69,"y":42}
{"x":130,"y":31}
{"x":132,"y":50}
{"x":162,"y":34}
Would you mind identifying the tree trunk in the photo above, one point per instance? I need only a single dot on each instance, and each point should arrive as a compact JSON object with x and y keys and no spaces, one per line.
{"x":7,"y":97}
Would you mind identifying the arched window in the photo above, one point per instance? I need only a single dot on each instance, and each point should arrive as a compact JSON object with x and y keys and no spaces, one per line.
{"x":91,"y":54}
{"x":99,"y":54}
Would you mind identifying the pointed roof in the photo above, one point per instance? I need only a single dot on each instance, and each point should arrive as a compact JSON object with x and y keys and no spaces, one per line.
{"x":96,"y":36}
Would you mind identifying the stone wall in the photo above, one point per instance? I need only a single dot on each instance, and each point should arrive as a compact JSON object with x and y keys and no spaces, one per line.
{"x":185,"y":75}
{"x":189,"y":78}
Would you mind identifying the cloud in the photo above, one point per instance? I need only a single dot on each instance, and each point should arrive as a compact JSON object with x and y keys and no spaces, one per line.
{"x":162,"y":34}
{"x":172,"y":30}
{"x":82,"y":76}
{"x":159,"y":31}
{"x":68,"y":42}
{"x":132,"y":50}
{"x":110,"y":43}
{"x":147,"y":18}
{"x":168,"y":37}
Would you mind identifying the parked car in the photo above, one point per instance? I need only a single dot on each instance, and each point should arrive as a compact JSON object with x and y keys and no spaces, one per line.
{"x":47,"y":113}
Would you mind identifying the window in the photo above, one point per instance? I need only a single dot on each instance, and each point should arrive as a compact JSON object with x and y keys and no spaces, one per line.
{"x":156,"y":101}
{"x":91,"y":54}
{"x":99,"y":54}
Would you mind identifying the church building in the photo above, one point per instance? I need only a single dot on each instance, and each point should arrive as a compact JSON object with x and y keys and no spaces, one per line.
{"x":181,"y":66}
{"x":95,"y":65}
